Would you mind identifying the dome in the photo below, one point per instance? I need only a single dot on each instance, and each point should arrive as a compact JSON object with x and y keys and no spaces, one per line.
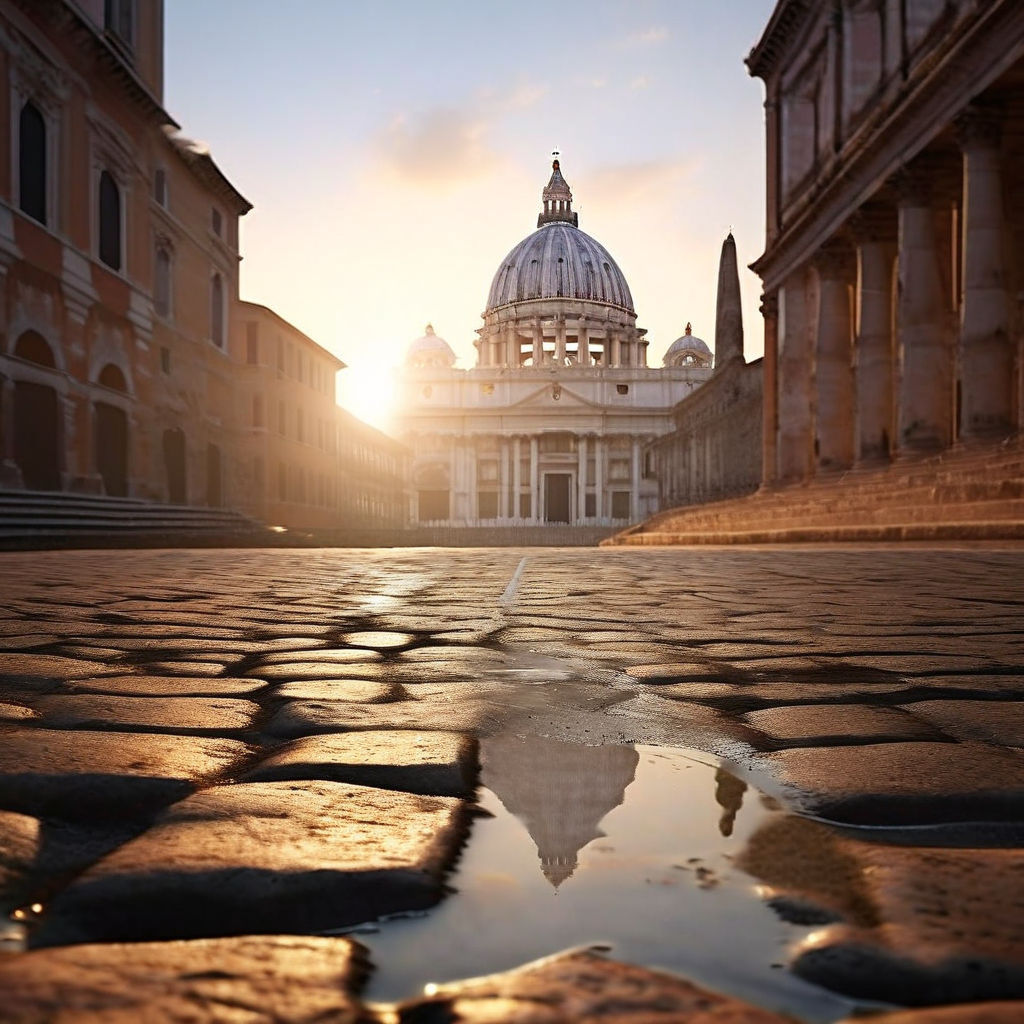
{"x":689,"y":350}
{"x":430,"y":350}
{"x":558,"y":260}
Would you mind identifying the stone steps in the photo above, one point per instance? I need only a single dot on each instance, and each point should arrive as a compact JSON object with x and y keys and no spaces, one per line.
{"x":966,"y":494}
{"x":49,"y":518}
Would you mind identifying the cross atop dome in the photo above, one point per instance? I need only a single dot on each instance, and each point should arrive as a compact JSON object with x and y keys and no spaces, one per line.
{"x":557,"y":198}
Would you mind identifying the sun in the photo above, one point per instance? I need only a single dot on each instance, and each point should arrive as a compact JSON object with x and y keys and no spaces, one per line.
{"x":369,"y":392}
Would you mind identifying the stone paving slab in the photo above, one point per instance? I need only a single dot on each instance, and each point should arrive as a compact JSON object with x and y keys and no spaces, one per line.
{"x":40,"y":671}
{"x":351,"y":691}
{"x":837,"y":725}
{"x":308,"y":717}
{"x":195,"y":716}
{"x":991,"y":721}
{"x":901,"y":783}
{"x":431,"y":763}
{"x":578,"y":986}
{"x":80,"y":773}
{"x":166,"y":686}
{"x":19,"y":847}
{"x":264,"y":979}
{"x":265,"y":857}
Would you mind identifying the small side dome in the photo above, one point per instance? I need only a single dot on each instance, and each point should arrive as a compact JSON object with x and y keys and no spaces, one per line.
{"x":429,"y":351}
{"x":689,"y":350}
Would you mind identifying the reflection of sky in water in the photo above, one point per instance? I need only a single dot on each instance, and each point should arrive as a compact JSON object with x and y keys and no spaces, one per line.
{"x":652,"y":833}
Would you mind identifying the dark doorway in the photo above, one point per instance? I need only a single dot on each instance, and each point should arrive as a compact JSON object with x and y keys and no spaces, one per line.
{"x":213,"y":476}
{"x":174,"y":463}
{"x":36,"y":445}
{"x":111,"y":440}
{"x":556,"y":497}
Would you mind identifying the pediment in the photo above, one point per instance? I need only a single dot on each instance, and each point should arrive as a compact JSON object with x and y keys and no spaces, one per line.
{"x":543,"y":397}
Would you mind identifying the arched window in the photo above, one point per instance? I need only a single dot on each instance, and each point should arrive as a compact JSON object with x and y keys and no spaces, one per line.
{"x":32,"y":162}
{"x":112,"y":377}
{"x":162,"y":283}
{"x":217,"y":310}
{"x":110,"y":221}
{"x":33,"y":349}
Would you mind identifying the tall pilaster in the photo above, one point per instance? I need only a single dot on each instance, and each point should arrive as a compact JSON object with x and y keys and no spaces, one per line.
{"x":503,"y":493}
{"x":583,"y":342}
{"x":560,"y":340}
{"x":795,"y":445}
{"x":986,"y":349}
{"x":873,"y":353}
{"x":581,"y":479}
{"x":538,"y":342}
{"x":599,"y":478}
{"x":926,"y":383}
{"x":534,"y":479}
{"x":833,"y":375}
{"x":517,"y":478}
{"x":769,"y":390}
{"x":634,"y":479}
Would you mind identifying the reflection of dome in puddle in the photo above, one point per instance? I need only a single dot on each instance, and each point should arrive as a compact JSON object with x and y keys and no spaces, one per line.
{"x":560,"y":791}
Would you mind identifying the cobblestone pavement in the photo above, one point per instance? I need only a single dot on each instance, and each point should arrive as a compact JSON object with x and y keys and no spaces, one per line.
{"x":200,"y":747}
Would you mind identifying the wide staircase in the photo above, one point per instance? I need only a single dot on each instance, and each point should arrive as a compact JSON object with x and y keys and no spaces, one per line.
{"x":34,"y":519}
{"x":963,"y":494}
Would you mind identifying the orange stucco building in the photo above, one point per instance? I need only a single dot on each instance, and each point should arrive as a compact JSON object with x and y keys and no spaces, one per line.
{"x":125,"y":350}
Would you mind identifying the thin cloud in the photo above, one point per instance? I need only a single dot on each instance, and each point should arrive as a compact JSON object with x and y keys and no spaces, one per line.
{"x":648,"y":37}
{"x":438,"y":147}
{"x":614,"y":184}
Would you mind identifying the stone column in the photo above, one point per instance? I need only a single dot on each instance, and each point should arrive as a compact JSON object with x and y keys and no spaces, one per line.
{"x":873,"y":347}
{"x":582,"y":342}
{"x":581,"y":479}
{"x":599,"y":478}
{"x":634,"y":474}
{"x":534,"y":480}
{"x":769,"y":385}
{"x":795,"y":447}
{"x":517,"y":478}
{"x":616,"y":348}
{"x":511,"y":346}
{"x":472,"y":507}
{"x":926,"y":383}
{"x":10,"y":473}
{"x":986,"y":348}
{"x":833,"y":361}
{"x":560,"y":340}
{"x":503,"y":494}
{"x":538,"y":343}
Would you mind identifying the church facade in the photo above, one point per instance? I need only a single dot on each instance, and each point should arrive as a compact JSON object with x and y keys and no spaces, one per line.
{"x":551,"y":425}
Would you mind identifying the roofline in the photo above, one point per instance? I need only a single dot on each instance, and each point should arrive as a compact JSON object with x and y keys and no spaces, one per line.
{"x":202,"y":165}
{"x":291,"y":327}
{"x":777,"y":33}
{"x":381,"y":435}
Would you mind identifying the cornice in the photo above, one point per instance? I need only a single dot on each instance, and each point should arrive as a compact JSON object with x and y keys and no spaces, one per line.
{"x":786,"y":20}
{"x":994,"y":41}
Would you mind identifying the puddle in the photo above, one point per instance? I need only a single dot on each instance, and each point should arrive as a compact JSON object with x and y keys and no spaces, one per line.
{"x":625,"y":846}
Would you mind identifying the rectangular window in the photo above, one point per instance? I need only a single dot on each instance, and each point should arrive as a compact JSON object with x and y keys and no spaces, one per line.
{"x":165,"y":360}
{"x":299,"y":424}
{"x":252,"y":343}
{"x":162,"y":283}
{"x":216,"y":221}
{"x":119,"y":21}
{"x":487,"y":504}
{"x":524,"y":506}
{"x":620,"y":504}
{"x":160,"y":187}
{"x":590,"y":506}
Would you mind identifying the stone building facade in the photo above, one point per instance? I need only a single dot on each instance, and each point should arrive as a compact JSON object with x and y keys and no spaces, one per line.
{"x":124,"y":348}
{"x":551,"y":425}
{"x":714,"y":451}
{"x":894,"y":263}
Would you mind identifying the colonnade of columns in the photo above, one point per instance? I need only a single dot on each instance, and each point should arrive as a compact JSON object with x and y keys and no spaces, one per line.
{"x":560,"y":341}
{"x":898,"y":336}
{"x":525,"y":497}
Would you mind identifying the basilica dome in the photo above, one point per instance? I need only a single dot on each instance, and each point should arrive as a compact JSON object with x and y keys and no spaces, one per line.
{"x":558,"y":260}
{"x":429,"y":351}
{"x":689,"y":350}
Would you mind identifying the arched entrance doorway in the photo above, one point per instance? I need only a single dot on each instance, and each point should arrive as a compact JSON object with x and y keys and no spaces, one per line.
{"x":110,"y":436}
{"x":36,"y":419}
{"x":174,"y":465}
{"x":213,"y":476}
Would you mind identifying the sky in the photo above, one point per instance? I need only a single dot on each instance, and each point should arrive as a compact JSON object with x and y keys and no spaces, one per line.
{"x":395,"y":151}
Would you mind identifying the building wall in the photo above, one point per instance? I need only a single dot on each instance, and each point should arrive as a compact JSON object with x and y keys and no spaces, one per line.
{"x":124,"y":375}
{"x":714,"y":452}
{"x":894,"y":259}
